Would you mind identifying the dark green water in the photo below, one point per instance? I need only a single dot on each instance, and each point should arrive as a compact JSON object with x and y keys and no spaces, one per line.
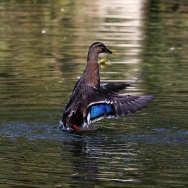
{"x":43,"y":48}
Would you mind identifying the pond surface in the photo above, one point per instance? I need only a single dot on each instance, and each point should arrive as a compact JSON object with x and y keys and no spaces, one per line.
{"x":43,"y":52}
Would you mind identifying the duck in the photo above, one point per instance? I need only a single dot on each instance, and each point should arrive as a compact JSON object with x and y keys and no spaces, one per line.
{"x":92,"y":99}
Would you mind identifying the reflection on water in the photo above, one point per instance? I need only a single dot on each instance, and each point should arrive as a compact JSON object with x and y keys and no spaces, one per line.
{"x":85,"y":158}
{"x":43,"y":52}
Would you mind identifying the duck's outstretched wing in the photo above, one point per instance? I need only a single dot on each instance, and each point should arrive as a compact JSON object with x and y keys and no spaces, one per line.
{"x":131,"y":104}
{"x":113,"y":87}
{"x":115,"y":106}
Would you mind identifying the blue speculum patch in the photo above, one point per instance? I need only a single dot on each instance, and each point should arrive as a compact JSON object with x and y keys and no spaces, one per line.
{"x":98,"y":110}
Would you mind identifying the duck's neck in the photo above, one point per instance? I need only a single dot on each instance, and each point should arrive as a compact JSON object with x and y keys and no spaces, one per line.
{"x":91,"y":72}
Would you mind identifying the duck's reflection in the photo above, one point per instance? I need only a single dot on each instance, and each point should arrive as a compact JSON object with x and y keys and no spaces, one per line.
{"x":85,"y":166}
{"x":96,"y":157}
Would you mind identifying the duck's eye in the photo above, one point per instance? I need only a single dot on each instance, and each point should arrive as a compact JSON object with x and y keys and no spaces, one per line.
{"x":103,"y":48}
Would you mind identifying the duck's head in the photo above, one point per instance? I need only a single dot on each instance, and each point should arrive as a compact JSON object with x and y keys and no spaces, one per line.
{"x":99,"y":47}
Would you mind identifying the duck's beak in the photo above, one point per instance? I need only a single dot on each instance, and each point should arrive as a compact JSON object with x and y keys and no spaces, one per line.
{"x":110,"y":52}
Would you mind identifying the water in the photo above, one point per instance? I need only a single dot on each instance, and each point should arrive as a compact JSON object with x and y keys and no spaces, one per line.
{"x":43,"y":52}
